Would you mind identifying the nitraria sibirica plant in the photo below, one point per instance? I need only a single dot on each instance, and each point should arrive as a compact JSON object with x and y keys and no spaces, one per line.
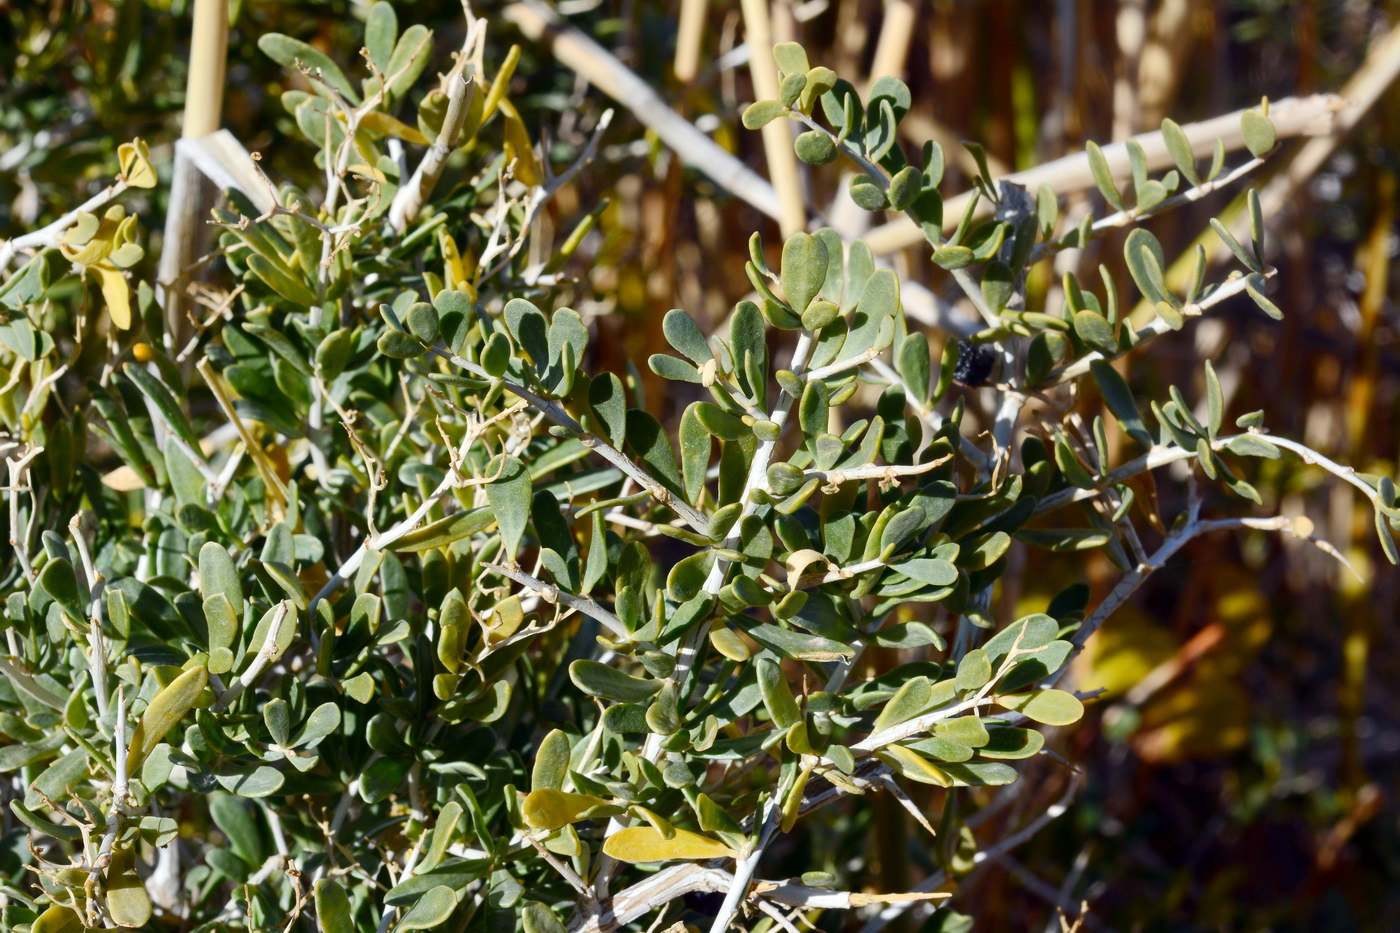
{"x":359,"y":595}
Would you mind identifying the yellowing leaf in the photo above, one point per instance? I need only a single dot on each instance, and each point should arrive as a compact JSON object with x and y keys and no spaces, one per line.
{"x":913,"y":765}
{"x":88,"y":248}
{"x":519,"y":149}
{"x":646,"y":844}
{"x":457,"y":268}
{"x":127,"y":900}
{"x":385,"y":125}
{"x":548,"y":808}
{"x":115,"y":292}
{"x":165,"y":710}
{"x":57,"y":919}
{"x":135,"y":160}
{"x":505,"y":619}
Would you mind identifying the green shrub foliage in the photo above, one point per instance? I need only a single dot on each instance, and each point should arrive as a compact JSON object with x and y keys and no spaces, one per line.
{"x":372,"y":600}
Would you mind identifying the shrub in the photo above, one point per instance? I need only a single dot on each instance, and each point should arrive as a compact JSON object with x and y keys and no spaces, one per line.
{"x":368,"y":598}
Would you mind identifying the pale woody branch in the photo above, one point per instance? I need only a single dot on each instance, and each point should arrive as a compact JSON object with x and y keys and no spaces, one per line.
{"x":556,"y":413}
{"x":1158,"y":326}
{"x":1316,"y":115}
{"x":48,"y":235}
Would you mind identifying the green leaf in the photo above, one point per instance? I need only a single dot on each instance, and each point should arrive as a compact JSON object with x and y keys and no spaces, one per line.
{"x":676,"y":370}
{"x":1252,"y":445}
{"x":281,"y":280}
{"x":974,"y":671}
{"x":551,"y":761}
{"x":289,"y":52}
{"x":720,"y":423}
{"x":911,"y":699}
{"x":1180,"y":149}
{"x":963,"y":730}
{"x":1051,"y":707}
{"x":537,"y":918}
{"x":1093,"y":328}
{"x":1228,"y":238}
{"x":509,"y":495}
{"x":979,"y":773}
{"x":803,"y":269}
{"x":799,"y":645}
{"x":445,"y":531}
{"x":1119,"y":399}
{"x":1215,"y":402}
{"x":1259,"y":133}
{"x":1143,"y":254}
{"x":164,"y":401}
{"x":127,"y":900}
{"x":777,"y":695}
{"x":791,"y":58}
{"x":58,"y":580}
{"x":761,"y":113}
{"x":687,"y":576}
{"x":166,"y":709}
{"x":1029,"y":633}
{"x":411,"y":54}
{"x":1012,"y":743}
{"x":685,"y":336}
{"x":1103,"y":178}
{"x":608,"y":401}
{"x":695,"y":452}
{"x":815,"y":148}
{"x":600,"y":680}
{"x":1254,"y":287}
{"x":333,"y":912}
{"x":431,"y":910}
{"x":933,"y":571}
{"x":650,"y":443}
{"x":381,"y":29}
{"x":218,"y":575}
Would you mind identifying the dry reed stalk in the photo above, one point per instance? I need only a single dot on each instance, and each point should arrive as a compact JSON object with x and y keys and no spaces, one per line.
{"x":204,"y":98}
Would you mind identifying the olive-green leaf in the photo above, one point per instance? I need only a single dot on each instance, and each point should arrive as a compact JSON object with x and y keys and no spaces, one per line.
{"x":1259,"y":133}
{"x":600,"y":680}
{"x":1012,"y":743}
{"x":289,"y":52}
{"x":218,"y":574}
{"x":444,"y":531}
{"x":933,"y":571}
{"x":332,"y":904}
{"x":1093,"y":328}
{"x":551,"y":761}
{"x":911,"y":699}
{"x":1103,"y":177}
{"x":974,"y":670}
{"x":1180,"y":149}
{"x":1051,"y":707}
{"x":761,"y":113}
{"x":777,"y":694}
{"x":537,"y":918}
{"x":509,"y":495}
{"x":803,"y":269}
{"x":431,"y":910}
{"x":608,"y":401}
{"x":685,"y":336}
{"x":1119,"y":399}
{"x":166,"y":709}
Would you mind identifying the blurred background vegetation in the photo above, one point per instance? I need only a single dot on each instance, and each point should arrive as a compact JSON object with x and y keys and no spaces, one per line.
{"x":1241,"y":770}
